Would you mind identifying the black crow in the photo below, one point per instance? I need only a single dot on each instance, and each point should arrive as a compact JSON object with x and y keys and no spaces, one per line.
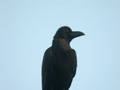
{"x":59,"y":62}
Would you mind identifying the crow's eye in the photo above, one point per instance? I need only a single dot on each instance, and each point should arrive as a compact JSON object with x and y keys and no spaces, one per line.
{"x":67,"y":31}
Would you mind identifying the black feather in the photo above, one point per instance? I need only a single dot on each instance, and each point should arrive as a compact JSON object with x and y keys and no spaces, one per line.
{"x":59,"y":62}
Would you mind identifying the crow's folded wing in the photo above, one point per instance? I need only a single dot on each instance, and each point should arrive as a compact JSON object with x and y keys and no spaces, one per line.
{"x":46,"y":70}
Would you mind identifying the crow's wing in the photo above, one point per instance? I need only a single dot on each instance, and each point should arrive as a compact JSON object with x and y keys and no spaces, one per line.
{"x":46,"y":70}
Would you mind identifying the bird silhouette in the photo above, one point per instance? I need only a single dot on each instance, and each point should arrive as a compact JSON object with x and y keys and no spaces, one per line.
{"x":59,"y":61}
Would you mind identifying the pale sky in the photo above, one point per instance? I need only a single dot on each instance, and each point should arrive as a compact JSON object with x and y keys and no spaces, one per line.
{"x":27,"y":28}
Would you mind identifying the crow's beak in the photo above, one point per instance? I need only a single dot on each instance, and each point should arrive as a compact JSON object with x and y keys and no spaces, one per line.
{"x":75,"y":34}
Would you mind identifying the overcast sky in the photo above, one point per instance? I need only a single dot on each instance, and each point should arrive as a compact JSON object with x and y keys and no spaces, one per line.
{"x":27,"y":28}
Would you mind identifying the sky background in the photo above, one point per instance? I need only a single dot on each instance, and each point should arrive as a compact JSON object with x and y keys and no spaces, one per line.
{"x":27,"y":28}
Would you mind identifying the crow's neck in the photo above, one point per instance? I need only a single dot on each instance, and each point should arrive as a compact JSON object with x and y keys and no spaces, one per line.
{"x":60,"y":45}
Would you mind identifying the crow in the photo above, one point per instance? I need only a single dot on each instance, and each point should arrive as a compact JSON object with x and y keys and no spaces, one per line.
{"x":59,"y":61}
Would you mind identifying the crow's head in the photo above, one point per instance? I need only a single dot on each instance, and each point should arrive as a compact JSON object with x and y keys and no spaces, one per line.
{"x":66,"y":33}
